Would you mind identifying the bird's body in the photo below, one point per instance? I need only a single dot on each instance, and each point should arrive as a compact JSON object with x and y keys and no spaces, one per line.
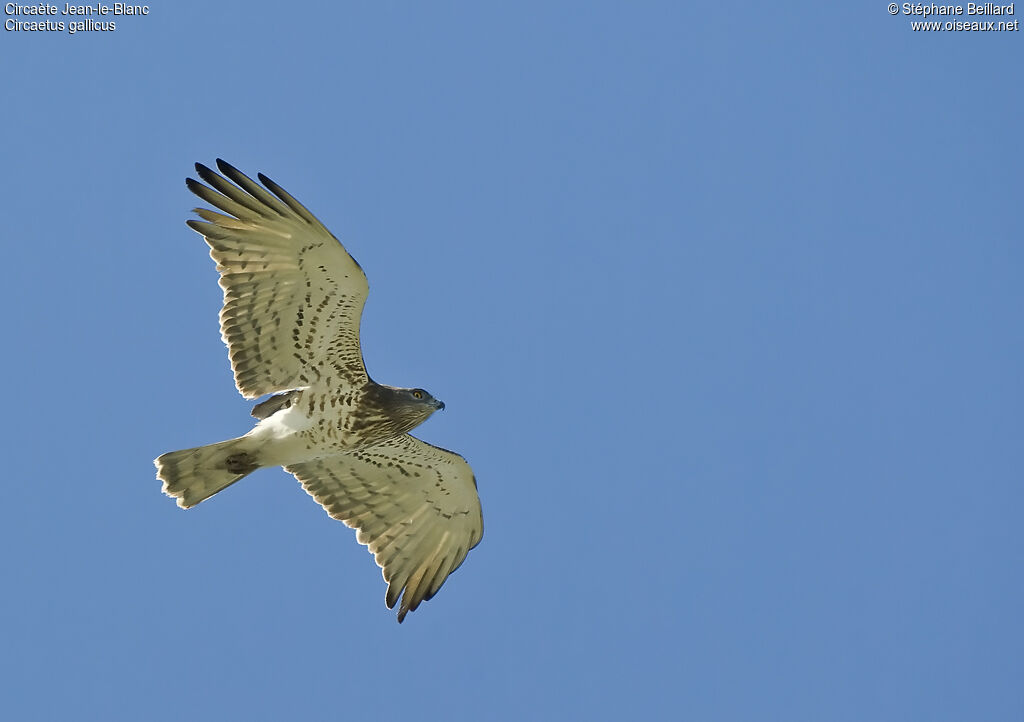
{"x":317,"y":420}
{"x":293,"y":298}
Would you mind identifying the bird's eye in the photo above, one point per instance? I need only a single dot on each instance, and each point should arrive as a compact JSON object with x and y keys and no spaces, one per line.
{"x":417,"y":394}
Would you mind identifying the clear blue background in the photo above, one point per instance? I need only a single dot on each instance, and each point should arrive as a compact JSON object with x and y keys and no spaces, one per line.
{"x":724,"y":301}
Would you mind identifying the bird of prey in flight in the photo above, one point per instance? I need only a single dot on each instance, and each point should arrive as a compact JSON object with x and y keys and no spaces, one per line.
{"x":293,"y":298}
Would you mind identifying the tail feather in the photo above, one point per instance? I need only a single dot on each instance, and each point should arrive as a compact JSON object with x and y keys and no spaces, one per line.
{"x":193,"y":475}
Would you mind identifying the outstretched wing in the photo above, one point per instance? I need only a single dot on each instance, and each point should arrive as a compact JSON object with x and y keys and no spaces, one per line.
{"x":293,"y":296}
{"x":414,"y":506}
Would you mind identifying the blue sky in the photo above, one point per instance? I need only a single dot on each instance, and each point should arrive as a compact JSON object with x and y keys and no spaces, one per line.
{"x":724,"y":302}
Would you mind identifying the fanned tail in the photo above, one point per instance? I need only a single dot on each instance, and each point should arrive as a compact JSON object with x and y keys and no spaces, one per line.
{"x":193,"y":475}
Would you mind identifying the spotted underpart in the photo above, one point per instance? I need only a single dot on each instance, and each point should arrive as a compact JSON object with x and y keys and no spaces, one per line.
{"x":293,"y":299}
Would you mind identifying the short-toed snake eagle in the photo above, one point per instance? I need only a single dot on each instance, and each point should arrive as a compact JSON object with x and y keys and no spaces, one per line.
{"x":293,"y":298}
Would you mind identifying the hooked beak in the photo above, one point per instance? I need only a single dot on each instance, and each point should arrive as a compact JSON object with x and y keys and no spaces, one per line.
{"x":439,"y":405}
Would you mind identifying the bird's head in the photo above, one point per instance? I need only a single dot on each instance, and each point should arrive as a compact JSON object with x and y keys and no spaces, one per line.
{"x":423,"y":400}
{"x":408,"y":408}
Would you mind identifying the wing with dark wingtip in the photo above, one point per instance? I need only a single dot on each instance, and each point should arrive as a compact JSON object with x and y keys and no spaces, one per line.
{"x":293,"y":296}
{"x":414,"y":505}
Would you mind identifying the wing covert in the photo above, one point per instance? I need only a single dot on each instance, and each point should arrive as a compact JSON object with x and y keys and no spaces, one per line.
{"x":414,"y":506}
{"x":293,"y":296}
